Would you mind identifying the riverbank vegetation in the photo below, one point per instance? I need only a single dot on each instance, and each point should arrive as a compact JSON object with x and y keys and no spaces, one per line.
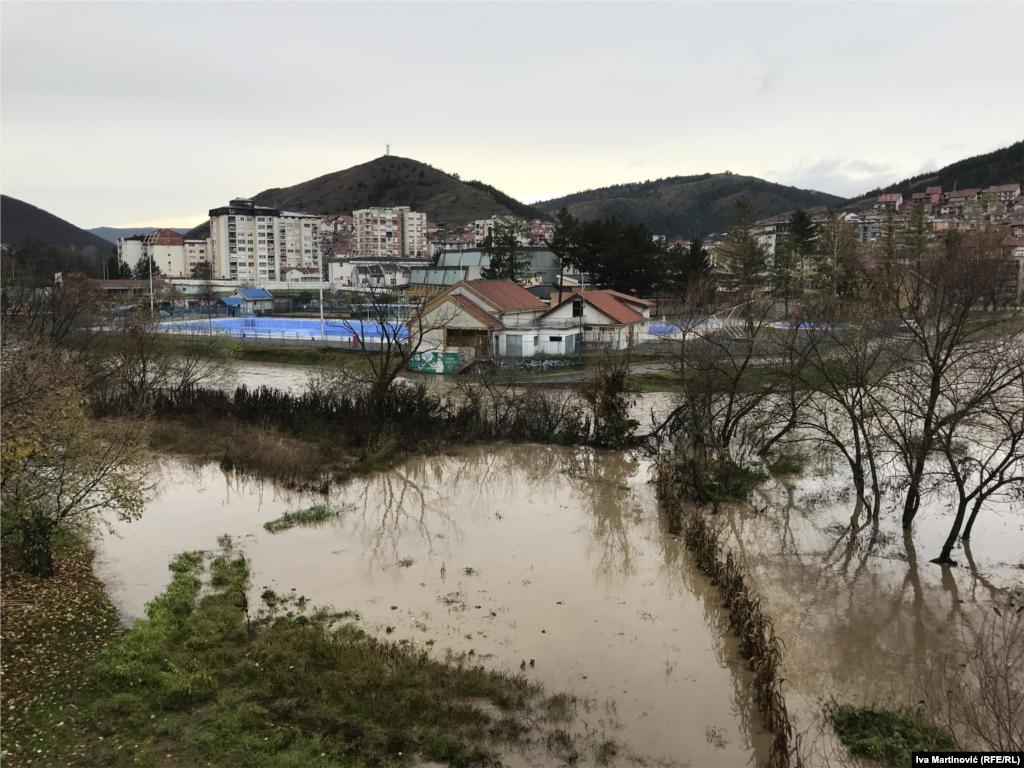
{"x":908,"y":369}
{"x":207,"y":678}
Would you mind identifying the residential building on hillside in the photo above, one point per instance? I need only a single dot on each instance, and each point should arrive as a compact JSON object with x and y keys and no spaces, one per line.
{"x":484,"y":228}
{"x":390,"y":233}
{"x":889,"y":202}
{"x":256,"y":243}
{"x":1004,"y":193}
{"x":956,"y":202}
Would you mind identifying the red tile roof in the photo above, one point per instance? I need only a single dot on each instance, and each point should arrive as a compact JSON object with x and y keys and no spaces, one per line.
{"x":607,"y":302}
{"x":626,"y":296}
{"x":505,"y":295}
{"x":964,"y":193}
{"x":891,"y":197}
{"x":1004,"y":188}
{"x":933,"y":191}
{"x":611,"y":306}
{"x":475,"y":310}
{"x":165,"y":237}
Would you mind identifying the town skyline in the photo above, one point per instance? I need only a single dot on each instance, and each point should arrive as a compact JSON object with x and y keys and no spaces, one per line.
{"x":690,"y":89}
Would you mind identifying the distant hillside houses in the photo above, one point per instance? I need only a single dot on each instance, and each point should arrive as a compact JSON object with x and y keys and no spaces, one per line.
{"x":1001,"y":205}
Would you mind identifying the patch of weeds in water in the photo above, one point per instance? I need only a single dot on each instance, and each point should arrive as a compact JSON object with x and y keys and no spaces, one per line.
{"x":454,"y":600}
{"x":406,"y":562}
{"x":888,"y":735}
{"x":606,"y":752}
{"x":197,"y":681}
{"x":715,"y":736}
{"x":470,"y":571}
{"x":318,"y":514}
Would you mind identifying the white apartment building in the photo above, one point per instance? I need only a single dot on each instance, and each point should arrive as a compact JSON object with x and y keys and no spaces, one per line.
{"x":129,"y":250}
{"x":483,"y":228}
{"x":390,"y":233}
{"x":165,"y":246}
{"x":197,"y":252}
{"x":256,"y":243}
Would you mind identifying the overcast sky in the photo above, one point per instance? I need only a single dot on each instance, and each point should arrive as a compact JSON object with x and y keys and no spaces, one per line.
{"x":151,"y":113}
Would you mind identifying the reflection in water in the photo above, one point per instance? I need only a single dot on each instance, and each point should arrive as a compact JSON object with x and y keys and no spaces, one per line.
{"x":516,"y":553}
{"x":862,"y":612}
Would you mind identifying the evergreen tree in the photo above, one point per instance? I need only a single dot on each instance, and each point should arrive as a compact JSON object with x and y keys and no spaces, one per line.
{"x":117,"y":269}
{"x":141,"y":271}
{"x":509,"y":259}
{"x":564,"y":239}
{"x":917,"y":236}
{"x":742,"y":255}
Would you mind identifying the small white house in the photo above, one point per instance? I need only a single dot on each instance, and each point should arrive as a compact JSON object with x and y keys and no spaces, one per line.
{"x":301,"y":275}
{"x":607,"y":318}
{"x":498,"y":318}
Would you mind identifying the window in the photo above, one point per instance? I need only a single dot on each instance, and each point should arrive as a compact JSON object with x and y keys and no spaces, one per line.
{"x":577,"y":308}
{"x":554,"y":338}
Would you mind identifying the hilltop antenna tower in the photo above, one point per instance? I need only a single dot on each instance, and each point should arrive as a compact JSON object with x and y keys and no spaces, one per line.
{"x":387,"y":149}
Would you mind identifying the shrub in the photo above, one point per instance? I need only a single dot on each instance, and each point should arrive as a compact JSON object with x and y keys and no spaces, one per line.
{"x":888,"y":735}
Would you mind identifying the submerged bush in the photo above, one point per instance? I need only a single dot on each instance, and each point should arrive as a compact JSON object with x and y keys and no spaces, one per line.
{"x":888,"y":735}
{"x":318,"y":514}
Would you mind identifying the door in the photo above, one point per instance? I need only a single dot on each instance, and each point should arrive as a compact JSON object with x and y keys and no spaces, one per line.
{"x":514,"y":346}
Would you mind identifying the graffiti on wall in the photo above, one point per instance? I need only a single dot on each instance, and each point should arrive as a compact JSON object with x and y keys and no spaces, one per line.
{"x":435,"y":362}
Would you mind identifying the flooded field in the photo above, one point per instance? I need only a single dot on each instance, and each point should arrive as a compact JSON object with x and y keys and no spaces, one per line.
{"x":863,"y":613}
{"x":546,"y":559}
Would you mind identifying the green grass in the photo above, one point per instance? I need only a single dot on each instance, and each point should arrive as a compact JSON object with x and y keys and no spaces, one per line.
{"x":318,"y":514}
{"x":203,"y":681}
{"x":888,"y":735}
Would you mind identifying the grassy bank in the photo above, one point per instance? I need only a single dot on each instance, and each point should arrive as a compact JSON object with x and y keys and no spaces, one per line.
{"x":52,"y":632}
{"x":207,"y":679}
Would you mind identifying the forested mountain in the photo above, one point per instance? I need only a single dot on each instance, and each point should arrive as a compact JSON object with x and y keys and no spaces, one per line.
{"x":686,"y":206}
{"x":391,"y":180}
{"x":1003,"y":166}
{"x":21,"y":221}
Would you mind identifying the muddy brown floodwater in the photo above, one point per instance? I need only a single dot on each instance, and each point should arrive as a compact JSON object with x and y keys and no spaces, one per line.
{"x":551,"y":556}
{"x":862,"y":612}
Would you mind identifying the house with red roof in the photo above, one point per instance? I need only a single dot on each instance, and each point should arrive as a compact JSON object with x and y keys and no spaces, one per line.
{"x":498,"y":318}
{"x":605,"y":318}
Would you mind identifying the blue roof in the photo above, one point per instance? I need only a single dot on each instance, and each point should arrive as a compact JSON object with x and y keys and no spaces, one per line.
{"x":254,"y":293}
{"x":233,"y":301}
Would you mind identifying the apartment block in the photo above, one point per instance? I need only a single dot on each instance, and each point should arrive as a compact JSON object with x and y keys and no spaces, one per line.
{"x":197,"y":252}
{"x":165,"y":246}
{"x":390,"y":233}
{"x":257,"y":243}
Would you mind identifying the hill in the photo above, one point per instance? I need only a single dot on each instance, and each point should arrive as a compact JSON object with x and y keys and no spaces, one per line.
{"x":111,"y":234}
{"x":686,"y":206}
{"x":20,"y":221}
{"x":1003,"y":166}
{"x":390,"y":180}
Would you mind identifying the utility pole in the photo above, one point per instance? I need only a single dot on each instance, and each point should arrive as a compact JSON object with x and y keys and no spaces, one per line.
{"x":149,"y":240}
{"x":321,"y":296}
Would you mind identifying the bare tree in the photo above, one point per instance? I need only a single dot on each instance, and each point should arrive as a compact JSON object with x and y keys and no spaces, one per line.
{"x":934,"y":306}
{"x":984,"y":450}
{"x":845,"y":360}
